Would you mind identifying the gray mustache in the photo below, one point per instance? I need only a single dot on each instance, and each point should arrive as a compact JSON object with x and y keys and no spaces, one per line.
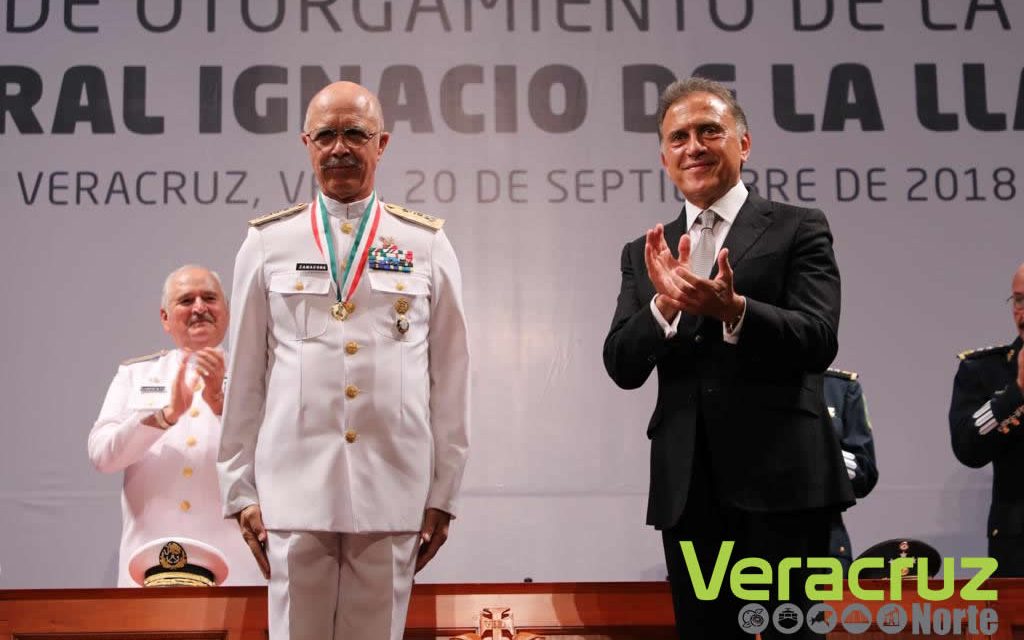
{"x":200,"y":317}
{"x":345,"y":162}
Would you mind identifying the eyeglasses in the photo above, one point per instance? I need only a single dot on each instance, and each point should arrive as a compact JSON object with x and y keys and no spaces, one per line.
{"x":1017,"y":300}
{"x":353,"y":137}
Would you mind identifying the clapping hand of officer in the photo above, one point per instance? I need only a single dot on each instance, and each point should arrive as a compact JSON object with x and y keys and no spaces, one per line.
{"x":851,"y":464}
{"x":680,"y":289}
{"x":181,"y":394}
{"x":433,"y":534}
{"x":210,"y":367}
{"x":250,"y":521}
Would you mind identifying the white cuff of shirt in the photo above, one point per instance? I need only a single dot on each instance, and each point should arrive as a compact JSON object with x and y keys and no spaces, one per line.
{"x":669,"y":329}
{"x":733,"y":337}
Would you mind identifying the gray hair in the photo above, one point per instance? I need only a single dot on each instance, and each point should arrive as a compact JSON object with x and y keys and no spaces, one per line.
{"x":166,"y":295}
{"x":695,"y":84}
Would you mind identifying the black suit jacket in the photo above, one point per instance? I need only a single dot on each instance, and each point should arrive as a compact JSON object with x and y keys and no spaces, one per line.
{"x":770,"y":441}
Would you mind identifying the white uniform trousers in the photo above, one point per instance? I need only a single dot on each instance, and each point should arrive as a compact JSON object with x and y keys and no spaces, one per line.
{"x":340,"y":586}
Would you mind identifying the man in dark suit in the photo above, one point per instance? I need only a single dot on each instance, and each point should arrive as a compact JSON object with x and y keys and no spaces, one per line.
{"x":849,"y":411}
{"x":740,"y":322}
{"x":985,"y":418}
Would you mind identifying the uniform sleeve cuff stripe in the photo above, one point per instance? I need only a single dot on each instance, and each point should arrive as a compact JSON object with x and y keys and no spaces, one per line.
{"x":985,"y":408}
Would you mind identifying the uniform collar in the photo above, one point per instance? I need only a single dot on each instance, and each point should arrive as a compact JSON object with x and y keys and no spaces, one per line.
{"x":347,"y":210}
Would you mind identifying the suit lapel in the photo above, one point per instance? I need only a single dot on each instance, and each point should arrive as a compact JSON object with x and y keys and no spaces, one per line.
{"x":753,"y":218}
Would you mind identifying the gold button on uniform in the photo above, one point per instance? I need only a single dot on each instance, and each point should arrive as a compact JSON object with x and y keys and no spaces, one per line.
{"x":187,"y":472}
{"x":346,"y":228}
{"x":351,"y":391}
{"x":190,"y":441}
{"x":299,"y":286}
{"x":350,"y":436}
{"x":185,"y":505}
{"x":400,"y":286}
{"x":351,"y":348}
{"x":995,"y":532}
{"x":194,"y":412}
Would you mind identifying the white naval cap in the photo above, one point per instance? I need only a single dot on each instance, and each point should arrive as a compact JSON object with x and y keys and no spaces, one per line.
{"x":177,"y":561}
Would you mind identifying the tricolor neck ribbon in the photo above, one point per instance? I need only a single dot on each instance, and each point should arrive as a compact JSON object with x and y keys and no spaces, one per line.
{"x":358,"y":255}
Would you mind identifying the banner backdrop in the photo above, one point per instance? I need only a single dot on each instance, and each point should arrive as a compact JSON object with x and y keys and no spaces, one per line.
{"x":140,"y":135}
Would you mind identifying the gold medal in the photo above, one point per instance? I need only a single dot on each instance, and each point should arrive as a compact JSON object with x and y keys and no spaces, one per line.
{"x":402,"y":306}
{"x":402,"y":324}
{"x":350,"y":307}
{"x":338,"y":311}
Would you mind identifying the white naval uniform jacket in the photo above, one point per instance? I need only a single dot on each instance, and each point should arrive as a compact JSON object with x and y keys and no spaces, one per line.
{"x":347,"y":426}
{"x":170,"y":477}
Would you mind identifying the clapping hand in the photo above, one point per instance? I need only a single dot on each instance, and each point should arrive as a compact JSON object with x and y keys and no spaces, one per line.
{"x":680,"y":289}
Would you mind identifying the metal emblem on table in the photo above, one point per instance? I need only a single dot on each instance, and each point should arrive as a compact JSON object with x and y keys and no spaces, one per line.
{"x":496,"y":623}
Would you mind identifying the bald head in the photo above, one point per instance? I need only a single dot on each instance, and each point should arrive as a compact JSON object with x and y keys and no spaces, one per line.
{"x":344,"y":135}
{"x":344,"y":93}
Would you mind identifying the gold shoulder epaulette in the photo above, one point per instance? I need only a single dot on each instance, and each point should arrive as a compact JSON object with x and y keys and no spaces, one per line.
{"x":970,"y":354}
{"x":423,"y":219}
{"x":277,"y":215}
{"x":839,"y":373}
{"x":152,"y":356}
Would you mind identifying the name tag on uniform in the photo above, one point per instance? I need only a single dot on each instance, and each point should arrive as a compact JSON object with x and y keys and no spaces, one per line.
{"x":311,"y":266}
{"x":149,"y":396}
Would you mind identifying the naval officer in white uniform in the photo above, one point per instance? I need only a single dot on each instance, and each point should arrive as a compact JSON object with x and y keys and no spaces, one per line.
{"x":346,"y":419}
{"x":160,"y":424}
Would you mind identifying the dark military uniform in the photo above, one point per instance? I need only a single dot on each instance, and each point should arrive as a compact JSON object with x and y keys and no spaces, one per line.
{"x":984,"y":423}
{"x":849,"y":411}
